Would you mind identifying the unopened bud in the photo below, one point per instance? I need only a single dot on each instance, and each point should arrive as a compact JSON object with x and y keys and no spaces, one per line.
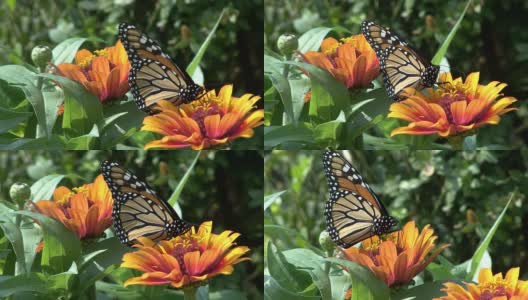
{"x":41,"y":56}
{"x":20,"y":192}
{"x":287,"y":43}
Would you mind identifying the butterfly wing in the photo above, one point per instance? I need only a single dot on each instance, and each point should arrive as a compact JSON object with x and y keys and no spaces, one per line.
{"x":350,"y":218}
{"x":137,"y":210}
{"x":342,"y":176}
{"x":154,"y":76}
{"x":401,"y":65}
{"x":353,"y":212}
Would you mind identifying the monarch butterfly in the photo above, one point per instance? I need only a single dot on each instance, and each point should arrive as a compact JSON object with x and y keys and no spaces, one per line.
{"x":137,"y":210}
{"x":353,"y":213}
{"x":401,"y":66}
{"x":154,"y":76}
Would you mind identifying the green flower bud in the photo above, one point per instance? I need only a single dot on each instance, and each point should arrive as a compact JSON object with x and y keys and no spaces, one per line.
{"x":20,"y":192}
{"x":326,"y":241}
{"x":41,"y":56}
{"x":287,"y":43}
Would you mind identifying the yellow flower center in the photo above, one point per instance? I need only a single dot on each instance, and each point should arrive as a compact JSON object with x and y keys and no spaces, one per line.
{"x":332,"y":50}
{"x":64,"y":200}
{"x":81,"y":189}
{"x":496,"y":288}
{"x":205,"y":102}
{"x":86,"y":61}
{"x":102,"y":52}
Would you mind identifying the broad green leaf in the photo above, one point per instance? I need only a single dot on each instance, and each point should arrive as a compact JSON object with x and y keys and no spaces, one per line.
{"x":286,"y":274}
{"x":309,"y":261}
{"x":282,"y":85}
{"x":54,"y":143}
{"x":329,"y":132}
{"x":483,"y":247}
{"x":61,"y":246}
{"x":427,"y":290}
{"x":173,"y":199}
{"x":32,"y":282}
{"x":24,"y":79}
{"x":268,"y":200}
{"x":335,"y":88}
{"x":272,"y":65}
{"x":43,"y":189}
{"x":14,"y":235}
{"x":311,"y":40}
{"x":443,"y":49}
{"x":87,"y":101}
{"x":84,"y":142}
{"x":376,"y":287}
{"x":273,"y":290}
{"x":198,"y":57}
{"x":277,"y":135}
{"x":10,"y":118}
{"x":66,"y":50}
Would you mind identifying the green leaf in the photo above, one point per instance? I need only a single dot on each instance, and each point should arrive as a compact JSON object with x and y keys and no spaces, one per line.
{"x":85,"y":100}
{"x":173,"y":199}
{"x":427,"y":290}
{"x":311,"y":40}
{"x":309,"y":261}
{"x":10,"y":118}
{"x":376,"y":287}
{"x":66,"y":50}
{"x":335,"y":88}
{"x":32,"y":282}
{"x":282,"y":85}
{"x":284,"y":273}
{"x":43,"y":189}
{"x":268,"y":200}
{"x":14,"y":235}
{"x":122,"y":121}
{"x":443,"y":49}
{"x":328,"y":133}
{"x":61,"y":246}
{"x":24,"y":79}
{"x":198,"y":57}
{"x":273,"y":290}
{"x":277,"y":135}
{"x":84,"y":142}
{"x":54,"y":143}
{"x":483,"y":247}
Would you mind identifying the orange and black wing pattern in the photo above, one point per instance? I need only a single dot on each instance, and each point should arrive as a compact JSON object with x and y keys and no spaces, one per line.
{"x":400,"y":64}
{"x":137,"y":209}
{"x":154,"y":76}
{"x":353,"y":212}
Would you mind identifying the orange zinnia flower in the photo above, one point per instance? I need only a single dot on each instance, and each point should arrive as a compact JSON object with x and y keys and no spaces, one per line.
{"x":455,"y":108}
{"x":489,"y":286}
{"x":188,"y":259}
{"x":352,"y":61}
{"x":104,"y":74}
{"x":86,"y":211}
{"x":208,"y":121}
{"x":399,"y":257}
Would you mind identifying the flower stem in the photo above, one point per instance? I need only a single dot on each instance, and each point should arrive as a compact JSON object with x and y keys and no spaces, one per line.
{"x":189,"y":293}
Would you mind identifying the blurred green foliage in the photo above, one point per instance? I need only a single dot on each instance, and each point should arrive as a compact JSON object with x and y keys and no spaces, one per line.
{"x":492,"y":40}
{"x":215,"y":191}
{"x":460,"y":194}
{"x":180,"y":27}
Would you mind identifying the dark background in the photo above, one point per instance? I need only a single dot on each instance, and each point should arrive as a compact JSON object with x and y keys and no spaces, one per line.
{"x":225,"y":187}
